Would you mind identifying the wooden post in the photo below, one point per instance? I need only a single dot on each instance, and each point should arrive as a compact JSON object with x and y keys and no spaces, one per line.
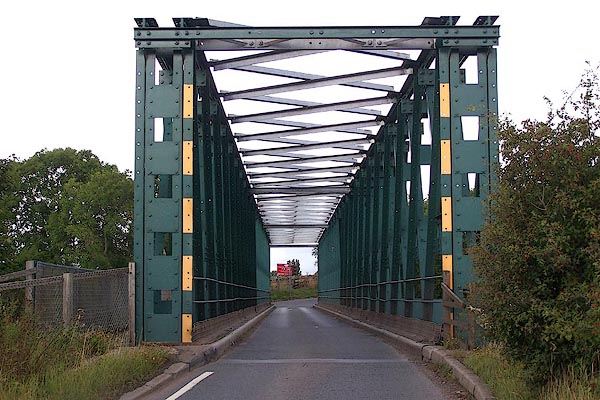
{"x":471,"y":321}
{"x":448,"y":314}
{"x":67,"y":299}
{"x":30,"y":291}
{"x":131,"y":303}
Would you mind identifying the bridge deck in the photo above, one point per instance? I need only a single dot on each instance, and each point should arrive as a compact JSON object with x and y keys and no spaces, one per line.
{"x":301,"y":353}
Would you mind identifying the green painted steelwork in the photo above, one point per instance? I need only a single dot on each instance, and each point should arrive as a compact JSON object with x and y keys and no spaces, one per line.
{"x":382,"y":245}
{"x":388,"y":239}
{"x":228,"y":245}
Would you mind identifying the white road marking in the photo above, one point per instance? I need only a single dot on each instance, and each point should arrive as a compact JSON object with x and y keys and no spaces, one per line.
{"x":190,"y":385}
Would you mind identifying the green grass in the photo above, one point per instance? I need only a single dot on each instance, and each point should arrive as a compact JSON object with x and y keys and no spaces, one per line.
{"x":104,"y":377}
{"x":506,"y":379}
{"x":68,"y":363}
{"x":577,"y":383}
{"x":300,"y":293}
{"x":509,"y":380}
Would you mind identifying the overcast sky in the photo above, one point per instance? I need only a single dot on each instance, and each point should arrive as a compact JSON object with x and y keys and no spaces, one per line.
{"x":68,"y":67}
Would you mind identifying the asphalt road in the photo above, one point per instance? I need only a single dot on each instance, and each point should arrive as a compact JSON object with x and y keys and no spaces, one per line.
{"x":298,"y":352}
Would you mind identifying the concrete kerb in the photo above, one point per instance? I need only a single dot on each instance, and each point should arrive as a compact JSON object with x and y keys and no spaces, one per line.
{"x":430,"y":353}
{"x":195,"y":356}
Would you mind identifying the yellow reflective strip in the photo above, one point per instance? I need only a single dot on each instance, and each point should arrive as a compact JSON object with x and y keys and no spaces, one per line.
{"x":188,"y":157}
{"x":188,"y":221}
{"x":188,"y":101}
{"x":446,"y":214}
{"x":444,"y":100}
{"x":186,"y":328}
{"x":446,"y":160}
{"x":186,"y":272}
{"x":447,"y":266}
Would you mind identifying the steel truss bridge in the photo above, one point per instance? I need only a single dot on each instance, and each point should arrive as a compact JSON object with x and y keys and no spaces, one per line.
{"x":375,"y":143}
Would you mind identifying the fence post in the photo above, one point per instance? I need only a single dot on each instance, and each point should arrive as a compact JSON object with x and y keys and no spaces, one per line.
{"x":30,"y":291}
{"x":131,"y":302}
{"x":447,"y":315}
{"x":67,"y":299}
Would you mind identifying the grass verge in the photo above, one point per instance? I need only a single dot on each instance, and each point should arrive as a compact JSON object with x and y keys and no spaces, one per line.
{"x":68,"y":363}
{"x":509,"y":380}
{"x":299,"y":293}
{"x":104,"y":377}
{"x":506,"y":379}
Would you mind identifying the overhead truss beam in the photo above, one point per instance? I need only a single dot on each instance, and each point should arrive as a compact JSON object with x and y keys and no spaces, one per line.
{"x":304,"y":76}
{"x":317,"y":83}
{"x":345,"y":105}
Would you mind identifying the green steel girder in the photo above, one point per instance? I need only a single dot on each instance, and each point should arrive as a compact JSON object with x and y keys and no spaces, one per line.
{"x":384,"y":248}
{"x":219,"y":232}
{"x":421,"y":246}
{"x":374,"y":32}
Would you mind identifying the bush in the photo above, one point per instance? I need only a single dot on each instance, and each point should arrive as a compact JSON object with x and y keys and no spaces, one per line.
{"x":538,"y":259}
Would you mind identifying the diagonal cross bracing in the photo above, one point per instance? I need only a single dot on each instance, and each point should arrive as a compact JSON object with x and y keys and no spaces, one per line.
{"x":305,"y":131}
{"x":276,"y":55}
{"x":316,"y":83}
{"x":304,"y":76}
{"x":287,"y":153}
{"x":299,"y":124}
{"x":304,"y":103}
{"x":320,"y":157}
{"x":346,"y":105}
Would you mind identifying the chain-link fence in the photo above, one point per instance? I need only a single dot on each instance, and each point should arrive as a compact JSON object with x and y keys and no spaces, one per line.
{"x":60,"y":295}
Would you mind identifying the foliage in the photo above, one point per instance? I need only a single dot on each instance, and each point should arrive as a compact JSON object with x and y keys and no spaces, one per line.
{"x":295,"y":263}
{"x":538,"y":258}
{"x":67,"y":363}
{"x":293,"y":294}
{"x":67,"y":207}
{"x":507,"y":379}
{"x":30,"y":351}
{"x":576,"y":383}
{"x":8,"y":201}
{"x":96,"y":217}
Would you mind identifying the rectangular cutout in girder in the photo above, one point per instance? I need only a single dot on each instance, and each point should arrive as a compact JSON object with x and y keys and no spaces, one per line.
{"x":470,"y":127}
{"x":163,"y":302}
{"x":163,"y":130}
{"x":163,"y":186}
{"x":163,"y":243}
{"x":469,"y":239}
{"x":471,"y":184}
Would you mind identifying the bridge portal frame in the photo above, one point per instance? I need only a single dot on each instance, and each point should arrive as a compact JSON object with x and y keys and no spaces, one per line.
{"x":200,"y":244}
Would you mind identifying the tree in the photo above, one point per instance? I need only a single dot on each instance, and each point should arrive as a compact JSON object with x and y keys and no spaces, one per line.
{"x":96,"y":219}
{"x":315,"y":254}
{"x":8,"y":201}
{"x":40,"y":187}
{"x":538,"y":258}
{"x":64,"y":206}
{"x":295,"y":263}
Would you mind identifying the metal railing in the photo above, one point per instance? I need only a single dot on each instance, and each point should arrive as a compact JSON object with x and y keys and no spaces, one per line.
{"x":383,"y":283}
{"x":219,"y":282}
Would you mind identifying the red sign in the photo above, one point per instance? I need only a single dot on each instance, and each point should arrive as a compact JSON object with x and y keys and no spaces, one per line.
{"x":284,"y":269}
